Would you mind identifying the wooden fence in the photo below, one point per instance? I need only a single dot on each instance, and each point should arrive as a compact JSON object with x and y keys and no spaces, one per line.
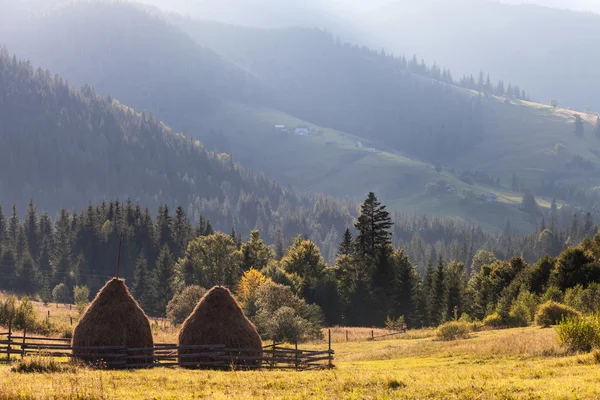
{"x":274,"y":356}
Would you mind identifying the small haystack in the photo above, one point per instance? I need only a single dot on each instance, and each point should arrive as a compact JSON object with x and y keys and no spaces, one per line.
{"x":218,"y":319}
{"x":114,"y":318}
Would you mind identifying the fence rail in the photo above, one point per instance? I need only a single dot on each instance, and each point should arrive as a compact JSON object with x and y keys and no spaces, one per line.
{"x":272,"y":356}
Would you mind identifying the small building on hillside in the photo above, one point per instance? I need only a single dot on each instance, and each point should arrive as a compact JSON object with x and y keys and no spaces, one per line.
{"x":301,"y":131}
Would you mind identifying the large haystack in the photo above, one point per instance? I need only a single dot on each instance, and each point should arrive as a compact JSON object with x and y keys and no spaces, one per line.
{"x":114,"y":318}
{"x":218,"y":319}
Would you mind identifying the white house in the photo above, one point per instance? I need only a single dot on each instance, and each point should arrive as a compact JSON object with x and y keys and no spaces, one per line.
{"x":301,"y":131}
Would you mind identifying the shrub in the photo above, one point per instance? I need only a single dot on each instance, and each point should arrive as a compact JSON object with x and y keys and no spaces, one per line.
{"x":494,"y":320}
{"x":519,"y":315}
{"x":60,"y":293}
{"x":551,"y":313}
{"x":395,"y":324}
{"x":579,"y":333}
{"x":271,"y":298}
{"x":25,"y":316}
{"x":453,"y":330}
{"x":182,"y":304}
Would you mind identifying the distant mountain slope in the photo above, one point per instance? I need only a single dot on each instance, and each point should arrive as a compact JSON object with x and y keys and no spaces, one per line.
{"x":138,"y":58}
{"x":64,"y":147}
{"x":548,"y":50}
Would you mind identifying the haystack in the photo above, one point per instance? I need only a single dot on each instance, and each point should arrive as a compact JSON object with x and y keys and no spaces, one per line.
{"x":114,"y":318}
{"x":218,"y":319}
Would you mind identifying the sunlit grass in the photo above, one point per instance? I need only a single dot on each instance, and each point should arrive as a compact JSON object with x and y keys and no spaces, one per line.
{"x":524,"y":363}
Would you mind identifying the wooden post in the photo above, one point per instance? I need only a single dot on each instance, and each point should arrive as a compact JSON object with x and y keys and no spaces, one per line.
{"x":23,"y":345}
{"x":48,"y":313}
{"x":70,"y":307}
{"x":71,"y":320}
{"x":296,"y":355}
{"x":119,"y":254}
{"x":9,"y":338}
{"x":329,"y":354}
{"x":346,"y":335}
{"x":372,"y":334}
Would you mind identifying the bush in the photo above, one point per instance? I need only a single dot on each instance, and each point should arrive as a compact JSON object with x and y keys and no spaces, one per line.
{"x":494,"y":320}
{"x":271,"y":320}
{"x":453,"y":331}
{"x":60,"y":293}
{"x":395,"y":324}
{"x":553,"y":293}
{"x":551,"y":313}
{"x":579,"y":333}
{"x":519,"y":315}
{"x":182,"y":304}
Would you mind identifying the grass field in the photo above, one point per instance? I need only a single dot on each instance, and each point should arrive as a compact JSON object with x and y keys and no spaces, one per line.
{"x":523,"y":363}
{"x":330,"y":161}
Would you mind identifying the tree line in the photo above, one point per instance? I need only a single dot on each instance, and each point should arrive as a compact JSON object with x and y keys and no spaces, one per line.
{"x":369,"y":282}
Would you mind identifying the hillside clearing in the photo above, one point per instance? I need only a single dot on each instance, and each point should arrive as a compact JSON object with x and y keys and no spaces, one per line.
{"x":514,"y":364}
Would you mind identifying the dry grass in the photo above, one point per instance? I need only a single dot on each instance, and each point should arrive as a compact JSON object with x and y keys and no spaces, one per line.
{"x":523,"y":363}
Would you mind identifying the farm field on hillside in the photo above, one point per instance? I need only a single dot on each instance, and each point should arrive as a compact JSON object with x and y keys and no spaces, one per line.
{"x":520,"y":363}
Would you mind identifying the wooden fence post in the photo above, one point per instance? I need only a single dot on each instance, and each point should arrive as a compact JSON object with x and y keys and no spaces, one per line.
{"x":296,"y":355}
{"x":372,"y":334}
{"x":23,"y":345}
{"x":329,"y":354}
{"x":9,"y":338}
{"x":71,"y":320}
{"x":346,"y":335}
{"x":48,"y":313}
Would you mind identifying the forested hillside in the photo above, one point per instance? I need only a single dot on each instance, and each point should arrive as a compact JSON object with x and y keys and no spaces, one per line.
{"x":66,"y":147}
{"x":427,"y":141}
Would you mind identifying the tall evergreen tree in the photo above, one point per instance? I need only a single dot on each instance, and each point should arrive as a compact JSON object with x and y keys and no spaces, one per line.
{"x":374,"y":225}
{"x":32,"y":230}
{"x":347,"y":246}
{"x":162,"y":281}
{"x":141,"y":282}
{"x":3,"y":227}
{"x":13,"y":227}
{"x":62,"y":250}
{"x":439,"y":301}
{"x":182,"y":231}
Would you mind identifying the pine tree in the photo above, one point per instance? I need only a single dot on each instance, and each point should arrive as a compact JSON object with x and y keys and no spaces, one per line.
{"x":456,"y":279}
{"x":439,"y":301}
{"x":62,"y":250}
{"x":373,"y":225}
{"x":182,"y":232}
{"x":579,"y":129}
{"x":164,"y":223}
{"x":28,"y":275}
{"x":204,"y":227}
{"x":32,"y":230}
{"x":405,"y":289}
{"x":13,"y":227}
{"x":427,"y":294}
{"x":279,"y":246}
{"x":162,"y":281}
{"x":141,"y":282}
{"x":347,"y":246}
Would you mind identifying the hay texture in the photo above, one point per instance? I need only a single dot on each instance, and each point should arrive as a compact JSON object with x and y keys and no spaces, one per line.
{"x":114,"y":318}
{"x":218,"y":319}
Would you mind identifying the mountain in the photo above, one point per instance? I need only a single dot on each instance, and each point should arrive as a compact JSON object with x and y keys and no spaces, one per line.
{"x":545,"y":49}
{"x":136,"y":57}
{"x":424,"y":141}
{"x":64,"y":147}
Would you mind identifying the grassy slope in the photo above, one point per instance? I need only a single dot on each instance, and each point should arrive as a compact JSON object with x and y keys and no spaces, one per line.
{"x":521,"y":363}
{"x":329,"y":161}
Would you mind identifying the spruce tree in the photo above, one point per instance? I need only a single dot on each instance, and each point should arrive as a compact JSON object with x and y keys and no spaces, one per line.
{"x":427,"y":294}
{"x":28,"y":275}
{"x":439,"y":301}
{"x":182,"y":232}
{"x":141,"y":282}
{"x":62,"y":250}
{"x":456,"y":279}
{"x":162,"y":281}
{"x":405,"y":289}
{"x":347,"y":246}
{"x":32,"y":230}
{"x":279,"y":246}
{"x":373,"y":225}
{"x":13,"y":227}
